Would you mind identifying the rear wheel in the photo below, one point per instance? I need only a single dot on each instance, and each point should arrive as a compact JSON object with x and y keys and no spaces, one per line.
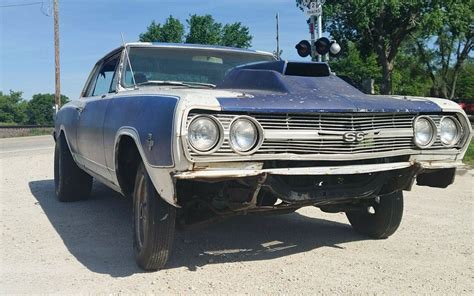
{"x":380,"y":220}
{"x":70,"y":182}
{"x":153,"y":223}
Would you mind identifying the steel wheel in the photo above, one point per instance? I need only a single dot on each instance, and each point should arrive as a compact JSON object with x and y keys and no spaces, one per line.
{"x":154,"y":224}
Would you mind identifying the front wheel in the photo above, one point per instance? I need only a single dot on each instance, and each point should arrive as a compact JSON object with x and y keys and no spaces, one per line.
{"x":380,"y":220}
{"x":153,"y":224}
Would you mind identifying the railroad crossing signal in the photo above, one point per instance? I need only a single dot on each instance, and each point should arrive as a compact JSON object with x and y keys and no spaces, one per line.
{"x":322,"y":46}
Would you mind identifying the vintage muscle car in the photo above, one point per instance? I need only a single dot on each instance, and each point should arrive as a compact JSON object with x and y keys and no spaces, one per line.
{"x":193,"y":133}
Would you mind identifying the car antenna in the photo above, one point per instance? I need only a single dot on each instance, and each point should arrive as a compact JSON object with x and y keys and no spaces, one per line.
{"x":129,"y":63}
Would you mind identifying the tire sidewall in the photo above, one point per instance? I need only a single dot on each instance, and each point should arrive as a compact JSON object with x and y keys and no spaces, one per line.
{"x":386,"y":220}
{"x":160,"y":216}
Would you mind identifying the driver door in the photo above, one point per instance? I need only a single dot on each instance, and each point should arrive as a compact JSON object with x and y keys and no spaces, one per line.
{"x":90,"y":133}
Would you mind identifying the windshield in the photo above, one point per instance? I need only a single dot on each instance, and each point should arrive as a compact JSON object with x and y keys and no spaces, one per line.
{"x":193,"y":66}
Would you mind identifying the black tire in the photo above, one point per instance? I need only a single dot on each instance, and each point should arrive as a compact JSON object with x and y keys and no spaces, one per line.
{"x":71,"y":183}
{"x":384,"y":222}
{"x":153,"y":224}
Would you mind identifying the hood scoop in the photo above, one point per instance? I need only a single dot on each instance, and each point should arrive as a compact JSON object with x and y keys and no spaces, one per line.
{"x":279,"y":76}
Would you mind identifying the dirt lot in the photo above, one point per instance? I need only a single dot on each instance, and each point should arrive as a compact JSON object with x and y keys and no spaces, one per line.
{"x":86,"y":247}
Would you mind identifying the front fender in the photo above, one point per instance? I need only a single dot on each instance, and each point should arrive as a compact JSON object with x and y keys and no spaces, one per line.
{"x":160,"y":177}
{"x":151,"y":118}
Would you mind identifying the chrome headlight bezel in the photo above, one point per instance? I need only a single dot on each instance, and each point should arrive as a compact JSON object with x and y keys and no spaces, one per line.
{"x":259,"y":135}
{"x":459,"y":131}
{"x":434,"y":132}
{"x":216,"y":146}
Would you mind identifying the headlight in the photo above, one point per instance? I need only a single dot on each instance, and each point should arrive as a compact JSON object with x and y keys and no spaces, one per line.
{"x":450,"y":131}
{"x":425,"y":132}
{"x":244,"y":135}
{"x":204,"y":133}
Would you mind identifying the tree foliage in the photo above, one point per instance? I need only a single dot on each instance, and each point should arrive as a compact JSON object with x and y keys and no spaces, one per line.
{"x":202,"y":29}
{"x":379,"y":26}
{"x":12,"y":107}
{"x":38,"y":111}
{"x":409,"y":76}
{"x":172,"y":32}
{"x":465,"y":84}
{"x":356,"y":66}
{"x":236,"y":35}
{"x":421,"y":46}
{"x":453,"y":35}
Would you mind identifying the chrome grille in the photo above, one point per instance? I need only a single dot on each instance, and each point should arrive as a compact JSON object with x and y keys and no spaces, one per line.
{"x":335,"y":122}
{"x":386,"y":133}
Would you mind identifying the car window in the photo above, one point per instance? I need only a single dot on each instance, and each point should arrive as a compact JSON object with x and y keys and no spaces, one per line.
{"x":105,"y":77}
{"x":185,"y":64}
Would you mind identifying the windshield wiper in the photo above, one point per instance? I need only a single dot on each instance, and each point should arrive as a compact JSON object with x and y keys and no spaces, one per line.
{"x":177,"y":83}
{"x":210,"y":85}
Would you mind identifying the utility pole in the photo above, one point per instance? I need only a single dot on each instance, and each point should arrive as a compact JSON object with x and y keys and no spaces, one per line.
{"x":278,"y":36}
{"x":57,"y":96}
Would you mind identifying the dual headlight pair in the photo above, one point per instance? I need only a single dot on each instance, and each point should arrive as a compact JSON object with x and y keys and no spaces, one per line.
{"x":426,"y":132}
{"x":206,"y":134}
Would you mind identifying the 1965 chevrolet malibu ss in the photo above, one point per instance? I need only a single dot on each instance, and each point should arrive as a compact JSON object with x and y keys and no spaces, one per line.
{"x":193,"y":133}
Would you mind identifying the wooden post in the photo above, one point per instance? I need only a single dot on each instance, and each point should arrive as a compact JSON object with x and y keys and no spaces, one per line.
{"x":57,"y":96}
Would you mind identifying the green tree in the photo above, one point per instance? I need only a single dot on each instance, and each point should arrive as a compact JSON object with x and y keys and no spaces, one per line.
{"x":379,"y":26}
{"x":452,"y":30}
{"x":153,"y":33}
{"x":40,"y":109}
{"x":236,"y":35}
{"x":409,"y":75}
{"x":203,"y":29}
{"x":356,"y":66}
{"x":12,"y":108}
{"x":172,"y":32}
{"x":465,"y":85}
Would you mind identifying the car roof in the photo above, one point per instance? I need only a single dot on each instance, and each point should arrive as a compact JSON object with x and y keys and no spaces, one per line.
{"x":183,"y":45}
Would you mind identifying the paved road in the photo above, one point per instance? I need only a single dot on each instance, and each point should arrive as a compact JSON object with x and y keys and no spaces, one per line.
{"x":27,"y":145}
{"x":86,"y":247}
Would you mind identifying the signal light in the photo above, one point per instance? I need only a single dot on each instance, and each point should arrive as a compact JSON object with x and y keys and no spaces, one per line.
{"x":303,"y":48}
{"x":322,"y":45}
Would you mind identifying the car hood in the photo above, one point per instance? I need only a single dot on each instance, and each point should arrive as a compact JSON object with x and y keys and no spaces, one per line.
{"x":334,"y":104}
{"x":321,"y":94}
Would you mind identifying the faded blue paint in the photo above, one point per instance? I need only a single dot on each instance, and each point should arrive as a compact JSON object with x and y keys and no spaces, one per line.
{"x":271,"y":91}
{"x":148,"y":115}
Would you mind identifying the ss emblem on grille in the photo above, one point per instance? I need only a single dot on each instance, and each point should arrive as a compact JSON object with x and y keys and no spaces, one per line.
{"x":353,"y":137}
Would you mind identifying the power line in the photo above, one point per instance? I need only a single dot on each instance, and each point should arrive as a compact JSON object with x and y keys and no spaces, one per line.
{"x":22,"y":4}
{"x":45,"y":7}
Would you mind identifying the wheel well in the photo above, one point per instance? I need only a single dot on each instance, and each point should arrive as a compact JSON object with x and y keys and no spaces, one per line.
{"x":126,"y":163}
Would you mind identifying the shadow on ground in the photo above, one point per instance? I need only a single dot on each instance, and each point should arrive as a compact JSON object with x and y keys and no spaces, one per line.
{"x":98,"y":233}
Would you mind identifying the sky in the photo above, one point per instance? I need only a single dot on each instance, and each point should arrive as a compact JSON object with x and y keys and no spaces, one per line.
{"x":91,"y":28}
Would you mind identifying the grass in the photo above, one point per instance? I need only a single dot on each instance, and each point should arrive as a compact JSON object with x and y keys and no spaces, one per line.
{"x":469,"y":157}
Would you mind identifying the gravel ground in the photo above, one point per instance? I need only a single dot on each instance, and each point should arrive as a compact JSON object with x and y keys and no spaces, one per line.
{"x":86,"y":247}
